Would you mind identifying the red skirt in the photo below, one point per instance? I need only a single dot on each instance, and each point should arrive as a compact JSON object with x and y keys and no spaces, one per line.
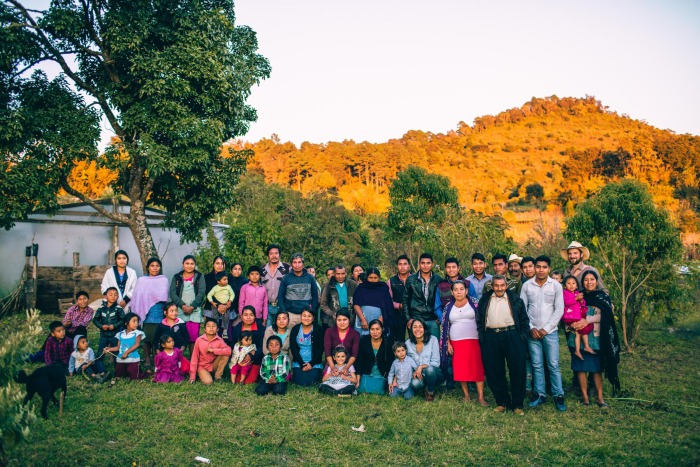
{"x":466,"y":361}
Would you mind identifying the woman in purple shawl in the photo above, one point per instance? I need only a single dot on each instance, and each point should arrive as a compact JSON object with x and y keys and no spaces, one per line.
{"x":150,"y":294}
{"x":372,"y":300}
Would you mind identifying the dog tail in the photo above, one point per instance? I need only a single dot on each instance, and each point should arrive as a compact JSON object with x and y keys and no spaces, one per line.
{"x":21,"y":377}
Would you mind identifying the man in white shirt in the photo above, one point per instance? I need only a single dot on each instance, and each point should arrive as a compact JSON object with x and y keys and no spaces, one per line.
{"x":544,"y":303}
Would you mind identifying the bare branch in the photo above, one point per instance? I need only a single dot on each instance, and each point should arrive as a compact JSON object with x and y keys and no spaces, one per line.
{"x":651,"y":269}
{"x":30,"y":66}
{"x":110,"y":215}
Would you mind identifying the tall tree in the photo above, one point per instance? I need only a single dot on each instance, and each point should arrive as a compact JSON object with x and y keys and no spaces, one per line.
{"x":634,"y":244}
{"x":171,"y":80}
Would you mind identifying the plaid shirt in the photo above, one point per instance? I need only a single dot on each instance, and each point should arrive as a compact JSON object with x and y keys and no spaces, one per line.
{"x":77,"y":318}
{"x":57,"y":352}
{"x":278,"y":367}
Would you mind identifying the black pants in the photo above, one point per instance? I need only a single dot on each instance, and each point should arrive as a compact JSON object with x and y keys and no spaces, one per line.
{"x":399,"y":328}
{"x":277,"y":389}
{"x":496,"y":350}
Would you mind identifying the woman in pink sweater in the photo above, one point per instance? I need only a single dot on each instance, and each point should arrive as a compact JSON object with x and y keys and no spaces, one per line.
{"x":209,"y":355}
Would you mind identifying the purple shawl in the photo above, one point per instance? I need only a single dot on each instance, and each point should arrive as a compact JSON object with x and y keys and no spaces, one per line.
{"x":376,"y":294}
{"x":149,"y":290}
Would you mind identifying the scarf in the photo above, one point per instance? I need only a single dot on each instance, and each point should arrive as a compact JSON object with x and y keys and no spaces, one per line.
{"x":376,"y":294}
{"x":149,"y":290}
{"x":609,"y":341}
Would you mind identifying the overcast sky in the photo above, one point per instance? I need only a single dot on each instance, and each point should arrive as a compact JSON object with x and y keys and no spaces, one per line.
{"x":372,"y":70}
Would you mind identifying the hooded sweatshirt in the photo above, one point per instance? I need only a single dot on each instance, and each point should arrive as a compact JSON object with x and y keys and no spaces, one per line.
{"x":78,"y":358}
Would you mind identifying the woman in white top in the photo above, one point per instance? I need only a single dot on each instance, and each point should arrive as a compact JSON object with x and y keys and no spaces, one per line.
{"x":425,"y":351}
{"x":461,"y":340}
{"x":122,"y":277}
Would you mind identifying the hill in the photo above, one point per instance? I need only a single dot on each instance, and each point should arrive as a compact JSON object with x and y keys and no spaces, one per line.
{"x":551,"y":153}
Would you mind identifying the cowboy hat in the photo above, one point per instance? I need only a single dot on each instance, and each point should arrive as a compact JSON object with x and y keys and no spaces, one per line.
{"x":514,"y":258}
{"x":585,"y":254}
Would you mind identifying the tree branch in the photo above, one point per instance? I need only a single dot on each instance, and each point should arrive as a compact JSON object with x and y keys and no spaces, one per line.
{"x":30,"y":66}
{"x":651,"y":269}
{"x":110,"y":215}
{"x":58,"y":58}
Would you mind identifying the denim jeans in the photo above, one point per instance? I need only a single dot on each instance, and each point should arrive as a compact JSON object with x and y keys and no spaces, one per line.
{"x":271,"y":314}
{"x":406,"y":393}
{"x":432,"y":376}
{"x":547,"y":347}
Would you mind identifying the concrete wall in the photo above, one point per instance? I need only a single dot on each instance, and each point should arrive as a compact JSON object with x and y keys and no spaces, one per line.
{"x":58,"y":241}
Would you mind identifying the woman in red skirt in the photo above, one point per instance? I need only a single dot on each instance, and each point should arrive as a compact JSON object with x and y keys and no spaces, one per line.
{"x":461,"y":340}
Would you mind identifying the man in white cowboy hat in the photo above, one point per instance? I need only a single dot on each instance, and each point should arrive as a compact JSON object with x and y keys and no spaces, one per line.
{"x":576,"y":254}
{"x":514,"y":270}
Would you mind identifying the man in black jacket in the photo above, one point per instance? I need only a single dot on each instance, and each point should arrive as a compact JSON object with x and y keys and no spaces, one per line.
{"x":419,"y":295}
{"x":503,"y":327}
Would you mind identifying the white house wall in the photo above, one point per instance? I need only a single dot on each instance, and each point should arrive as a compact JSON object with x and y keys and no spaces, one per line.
{"x":57,"y":242}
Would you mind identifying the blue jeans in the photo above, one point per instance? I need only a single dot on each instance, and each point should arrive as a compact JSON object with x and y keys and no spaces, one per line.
{"x":432,"y":376}
{"x":271,"y":314}
{"x":406,"y":393}
{"x":547,"y":347}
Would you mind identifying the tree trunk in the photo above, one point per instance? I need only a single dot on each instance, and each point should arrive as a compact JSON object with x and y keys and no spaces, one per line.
{"x":142,"y":236}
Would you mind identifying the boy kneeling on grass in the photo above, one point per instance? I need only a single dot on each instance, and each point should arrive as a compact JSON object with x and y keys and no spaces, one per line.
{"x":274,"y":370}
{"x":82,"y":361}
{"x":209,"y":355}
{"x":57,"y":349}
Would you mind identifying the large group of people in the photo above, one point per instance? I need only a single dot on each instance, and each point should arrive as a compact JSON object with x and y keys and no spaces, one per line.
{"x":406,"y":336}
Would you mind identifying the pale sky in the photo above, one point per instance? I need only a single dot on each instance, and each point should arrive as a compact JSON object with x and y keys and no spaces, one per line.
{"x":372,"y":70}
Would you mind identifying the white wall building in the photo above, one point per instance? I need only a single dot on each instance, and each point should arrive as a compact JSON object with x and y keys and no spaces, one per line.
{"x":80,"y":228}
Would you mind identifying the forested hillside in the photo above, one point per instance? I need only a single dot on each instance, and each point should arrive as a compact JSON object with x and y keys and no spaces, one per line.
{"x":549,"y":153}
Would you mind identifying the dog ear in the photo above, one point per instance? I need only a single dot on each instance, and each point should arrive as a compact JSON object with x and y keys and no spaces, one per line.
{"x":21,"y":377}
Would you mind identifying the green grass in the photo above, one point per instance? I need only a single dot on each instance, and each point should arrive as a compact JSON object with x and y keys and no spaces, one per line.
{"x":141,"y":423}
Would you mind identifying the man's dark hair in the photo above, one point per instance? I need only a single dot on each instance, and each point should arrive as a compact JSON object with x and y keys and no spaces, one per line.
{"x":451,"y":260}
{"x":112,"y":288}
{"x":337,"y":266}
{"x":544,"y":259}
{"x":272,"y":338}
{"x":54,"y":325}
{"x":425,"y":256}
{"x":82,"y":293}
{"x":403,"y":257}
{"x":273,"y":246}
{"x":527,"y":259}
{"x":499,"y":256}
{"x":478,"y":256}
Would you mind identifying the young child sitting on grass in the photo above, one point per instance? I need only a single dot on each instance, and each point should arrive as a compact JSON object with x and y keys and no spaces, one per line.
{"x":209,"y":355}
{"x":128,"y":343}
{"x":57,"y":348}
{"x":109,"y":319}
{"x":168,"y":361}
{"x":274,"y":370}
{"x":82,"y":361}
{"x":401,"y":373}
{"x":241,"y":349}
{"x":339,"y":379}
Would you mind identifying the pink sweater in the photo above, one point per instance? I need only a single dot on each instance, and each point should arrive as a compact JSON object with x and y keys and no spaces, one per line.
{"x":201,"y":358}
{"x":573,"y":309}
{"x":256,"y":297}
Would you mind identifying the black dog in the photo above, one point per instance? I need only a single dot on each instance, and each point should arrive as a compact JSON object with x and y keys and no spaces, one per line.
{"x":44,"y":381}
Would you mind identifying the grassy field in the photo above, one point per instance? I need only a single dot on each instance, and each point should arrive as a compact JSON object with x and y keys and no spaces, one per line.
{"x":141,"y":423}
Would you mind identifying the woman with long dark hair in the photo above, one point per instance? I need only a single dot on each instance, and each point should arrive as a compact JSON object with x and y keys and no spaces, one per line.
{"x":604,"y":340}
